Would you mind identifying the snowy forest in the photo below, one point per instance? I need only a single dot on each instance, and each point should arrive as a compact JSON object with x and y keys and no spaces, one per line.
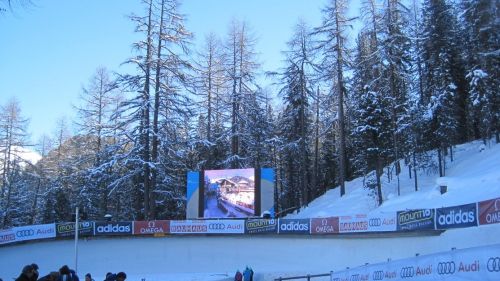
{"x":417,"y":79}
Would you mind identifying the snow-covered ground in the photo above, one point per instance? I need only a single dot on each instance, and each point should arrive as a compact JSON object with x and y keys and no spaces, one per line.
{"x":473,"y":176}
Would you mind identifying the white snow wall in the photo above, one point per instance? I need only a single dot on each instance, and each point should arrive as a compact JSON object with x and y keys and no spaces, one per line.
{"x":225,"y":254}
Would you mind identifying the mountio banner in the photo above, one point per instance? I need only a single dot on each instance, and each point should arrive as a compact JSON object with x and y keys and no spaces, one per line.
{"x":113,"y":228}
{"x":352,"y":224}
{"x":379,"y":222}
{"x":151,"y":227}
{"x":479,"y":263}
{"x":325,"y":225}
{"x":32,"y":232}
{"x":489,"y":211}
{"x":416,"y":219}
{"x":261,"y":226}
{"x":294,"y":226}
{"x":85,"y":228}
{"x":456,"y":216}
{"x":7,"y":236}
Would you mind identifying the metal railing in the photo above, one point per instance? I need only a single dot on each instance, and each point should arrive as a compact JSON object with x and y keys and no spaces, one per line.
{"x":307,"y":277}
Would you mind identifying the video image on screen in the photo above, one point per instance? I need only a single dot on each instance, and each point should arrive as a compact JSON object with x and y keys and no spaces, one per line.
{"x":229,"y":193}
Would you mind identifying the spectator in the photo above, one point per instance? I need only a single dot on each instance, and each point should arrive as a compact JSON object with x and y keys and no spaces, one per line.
{"x":88,"y":277}
{"x":26,"y":274}
{"x":121,"y":276}
{"x":238,"y":276}
{"x":67,"y":274}
{"x":53,"y":276}
{"x":35,"y":272}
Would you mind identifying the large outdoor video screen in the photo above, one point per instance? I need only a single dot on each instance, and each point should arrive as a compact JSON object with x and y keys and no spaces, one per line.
{"x":229,"y":193}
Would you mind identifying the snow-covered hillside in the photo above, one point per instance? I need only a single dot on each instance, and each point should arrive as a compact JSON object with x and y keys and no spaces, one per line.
{"x":473,"y":176}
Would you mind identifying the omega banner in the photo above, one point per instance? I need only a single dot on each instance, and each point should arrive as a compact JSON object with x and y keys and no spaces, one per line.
{"x":151,"y":227}
{"x":489,"y":211}
{"x":32,"y":232}
{"x":481,"y":263}
{"x":207,"y":227}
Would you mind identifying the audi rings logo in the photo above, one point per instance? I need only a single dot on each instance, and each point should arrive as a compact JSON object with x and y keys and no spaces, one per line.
{"x":378,"y":275}
{"x":25,"y":233}
{"x":216,"y":226}
{"x":446,"y":268}
{"x":493,"y":264}
{"x":407,"y":272}
{"x":375,"y":222}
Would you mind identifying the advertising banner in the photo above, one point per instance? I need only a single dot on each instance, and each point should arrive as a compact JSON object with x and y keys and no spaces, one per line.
{"x":456,"y":216}
{"x":416,"y":219}
{"x":325,"y":225}
{"x":489,"y":211}
{"x":113,"y":228}
{"x":382,"y":222}
{"x":32,"y":232}
{"x":85,"y":228}
{"x":226,"y":226}
{"x":294,"y":226}
{"x":188,"y":227}
{"x":7,"y":236}
{"x":481,"y":263}
{"x":151,"y":227}
{"x":258,"y":226}
{"x":352,"y":224}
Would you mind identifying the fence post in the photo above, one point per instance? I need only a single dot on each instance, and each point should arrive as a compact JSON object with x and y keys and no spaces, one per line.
{"x":308,"y":277}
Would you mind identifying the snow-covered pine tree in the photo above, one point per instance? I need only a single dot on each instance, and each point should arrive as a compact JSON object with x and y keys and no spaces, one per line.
{"x":480,"y":27}
{"x":295,"y":129}
{"x":333,"y":43}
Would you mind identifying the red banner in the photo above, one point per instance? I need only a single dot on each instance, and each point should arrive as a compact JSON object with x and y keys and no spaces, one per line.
{"x":151,"y":227}
{"x":489,"y":211}
{"x":325,"y":225}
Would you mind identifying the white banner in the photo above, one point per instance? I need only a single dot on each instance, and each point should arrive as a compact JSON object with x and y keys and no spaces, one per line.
{"x":32,"y":232}
{"x":481,"y":263}
{"x":350,"y":224}
{"x":382,"y":222}
{"x":7,"y":236}
{"x":207,"y":227}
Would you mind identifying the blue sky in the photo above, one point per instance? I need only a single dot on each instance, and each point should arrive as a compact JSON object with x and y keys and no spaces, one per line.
{"x":49,"y":51}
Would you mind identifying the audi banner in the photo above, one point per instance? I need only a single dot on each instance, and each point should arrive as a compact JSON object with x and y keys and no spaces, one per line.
{"x":261,"y":226}
{"x":294,"y":226}
{"x":480,"y":263}
{"x":382,"y":222}
{"x":352,"y":224}
{"x":113,"y":228}
{"x":32,"y":232}
{"x":7,"y":236}
{"x":456,"y":216}
{"x":325,"y":225}
{"x":85,"y":228}
{"x":489,"y":211}
{"x":207,"y":227}
{"x":151,"y":227}
{"x":416,"y":219}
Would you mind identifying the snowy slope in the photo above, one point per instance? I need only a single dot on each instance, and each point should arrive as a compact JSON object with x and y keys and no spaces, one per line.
{"x":473,"y":176}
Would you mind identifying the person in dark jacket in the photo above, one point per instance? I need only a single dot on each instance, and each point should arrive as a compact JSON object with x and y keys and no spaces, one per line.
{"x":53,"y":276}
{"x":67,"y":274}
{"x":35,"y":272}
{"x":120,"y":276}
{"x":88,"y":277}
{"x":26,"y":274}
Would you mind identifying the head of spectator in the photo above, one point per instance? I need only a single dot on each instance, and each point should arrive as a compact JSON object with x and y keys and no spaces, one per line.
{"x":121,"y":276}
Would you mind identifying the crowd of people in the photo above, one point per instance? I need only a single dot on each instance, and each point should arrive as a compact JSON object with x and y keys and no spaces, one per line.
{"x":30,"y":273}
